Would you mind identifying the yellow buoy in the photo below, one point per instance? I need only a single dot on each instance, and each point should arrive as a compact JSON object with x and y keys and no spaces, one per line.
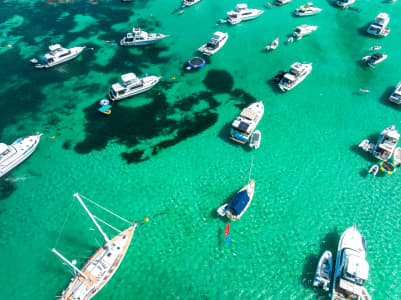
{"x":9,"y":46}
{"x":382,"y":169}
{"x":53,"y":137}
{"x":173,"y":78}
{"x":146,"y":220}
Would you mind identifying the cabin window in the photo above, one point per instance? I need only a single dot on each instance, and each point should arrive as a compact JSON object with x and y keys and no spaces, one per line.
{"x":108,"y":254}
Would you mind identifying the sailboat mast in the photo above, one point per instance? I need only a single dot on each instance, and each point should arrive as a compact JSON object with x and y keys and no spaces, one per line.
{"x":68,"y":263}
{"x":106,"y":238}
{"x":250,"y":171}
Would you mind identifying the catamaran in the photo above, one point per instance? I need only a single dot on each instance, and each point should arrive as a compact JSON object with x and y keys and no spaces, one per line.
{"x":102,"y":265}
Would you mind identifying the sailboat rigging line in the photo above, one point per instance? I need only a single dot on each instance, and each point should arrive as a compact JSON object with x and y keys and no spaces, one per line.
{"x":250,"y":171}
{"x":62,"y":227}
{"x":105,"y":223}
{"x":109,"y":211}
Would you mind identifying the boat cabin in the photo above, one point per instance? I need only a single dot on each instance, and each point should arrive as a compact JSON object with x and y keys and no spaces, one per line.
{"x":380,"y":24}
{"x":4,"y":151}
{"x":396,"y":95}
{"x":239,"y":203}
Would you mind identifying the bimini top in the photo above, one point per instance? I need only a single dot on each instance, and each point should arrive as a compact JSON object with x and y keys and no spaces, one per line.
{"x":248,"y":113}
{"x":357,"y":267}
{"x":54,"y":47}
{"x":240,"y":7}
{"x":3,"y":147}
{"x":239,"y":202}
{"x":128,"y":77}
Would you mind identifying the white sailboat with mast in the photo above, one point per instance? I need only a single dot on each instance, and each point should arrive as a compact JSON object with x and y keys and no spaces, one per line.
{"x":102,"y":265}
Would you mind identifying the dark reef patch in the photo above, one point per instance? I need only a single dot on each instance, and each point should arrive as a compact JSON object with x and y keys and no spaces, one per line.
{"x":244,"y":97}
{"x":132,"y":126}
{"x":7,"y":187}
{"x":219,"y":81}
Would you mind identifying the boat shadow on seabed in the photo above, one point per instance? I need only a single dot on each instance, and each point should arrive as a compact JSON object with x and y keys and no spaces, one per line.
{"x":329,"y":242}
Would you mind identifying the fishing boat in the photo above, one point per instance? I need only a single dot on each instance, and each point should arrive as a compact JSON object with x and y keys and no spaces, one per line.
{"x":255,"y":139}
{"x":56,"y":56}
{"x":103,"y":264}
{"x":242,"y":13}
{"x":241,"y":201}
{"x":373,"y":170}
{"x":215,"y":44}
{"x":379,"y":25}
{"x":297,"y":73}
{"x":352,"y":269}
{"x":273,"y":45}
{"x":344,"y":3}
{"x":138,"y":37}
{"x":244,"y":125}
{"x":395,"y":97}
{"x":303,"y":30}
{"x":397,"y":156}
{"x":323,"y":271}
{"x":188,"y":3}
{"x":307,"y":10}
{"x":374,"y":59}
{"x":131,"y":85}
{"x":386,"y":143}
{"x":13,"y":155}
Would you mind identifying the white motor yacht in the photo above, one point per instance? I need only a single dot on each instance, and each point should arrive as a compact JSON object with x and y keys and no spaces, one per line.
{"x":352,"y":269}
{"x":138,"y":37}
{"x":131,"y":85}
{"x":303,"y":30}
{"x":396,"y":95}
{"x":244,"y":125}
{"x":386,"y":143}
{"x":297,"y":73}
{"x":379,"y":25}
{"x":281,"y":2}
{"x":12,"y":155}
{"x":187,"y":3}
{"x":243,"y":13}
{"x":307,"y":10}
{"x":374,"y":59}
{"x":215,"y":44}
{"x":344,"y":3}
{"x":56,"y":56}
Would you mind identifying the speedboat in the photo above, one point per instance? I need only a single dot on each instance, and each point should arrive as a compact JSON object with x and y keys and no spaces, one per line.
{"x":323,"y":271}
{"x":307,"y":10}
{"x":56,"y":56}
{"x":386,"y":143}
{"x":374,"y":59}
{"x":273,"y":45}
{"x":243,"y":13}
{"x":379,"y":25}
{"x":397,"y":156}
{"x":244,"y":125}
{"x":255,"y":139}
{"x":303,"y":30}
{"x":396,"y":95}
{"x":282,"y":2}
{"x":131,"y":85}
{"x":241,"y":201}
{"x":12,"y":155}
{"x":215,"y":44}
{"x":373,"y":170}
{"x":187,"y":3}
{"x":138,"y":37}
{"x":351,"y":269}
{"x":297,"y":73}
{"x":344,"y":3}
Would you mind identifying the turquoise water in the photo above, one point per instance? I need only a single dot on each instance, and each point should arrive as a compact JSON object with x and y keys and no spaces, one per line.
{"x":166,"y":154}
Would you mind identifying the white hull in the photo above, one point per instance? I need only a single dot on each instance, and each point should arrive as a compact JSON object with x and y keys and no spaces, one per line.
{"x":255,"y":139}
{"x":323,"y":271}
{"x":75,"y":52}
{"x":208,"y":52}
{"x":241,"y":136}
{"x":345,"y":4}
{"x":286,"y":87}
{"x":273,"y":45}
{"x":306,"y":12}
{"x":22,"y":150}
{"x":256,"y":13}
{"x":153,"y":38}
{"x":149,"y":82}
{"x":190,"y":3}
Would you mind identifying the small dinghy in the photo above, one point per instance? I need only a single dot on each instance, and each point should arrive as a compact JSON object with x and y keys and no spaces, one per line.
{"x":222,"y":210}
{"x":273,"y":45}
{"x":374,"y":169}
{"x":375,"y":48}
{"x":397,"y":156}
{"x":323,"y":271}
{"x":366,"y":145}
{"x":255,"y":139}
